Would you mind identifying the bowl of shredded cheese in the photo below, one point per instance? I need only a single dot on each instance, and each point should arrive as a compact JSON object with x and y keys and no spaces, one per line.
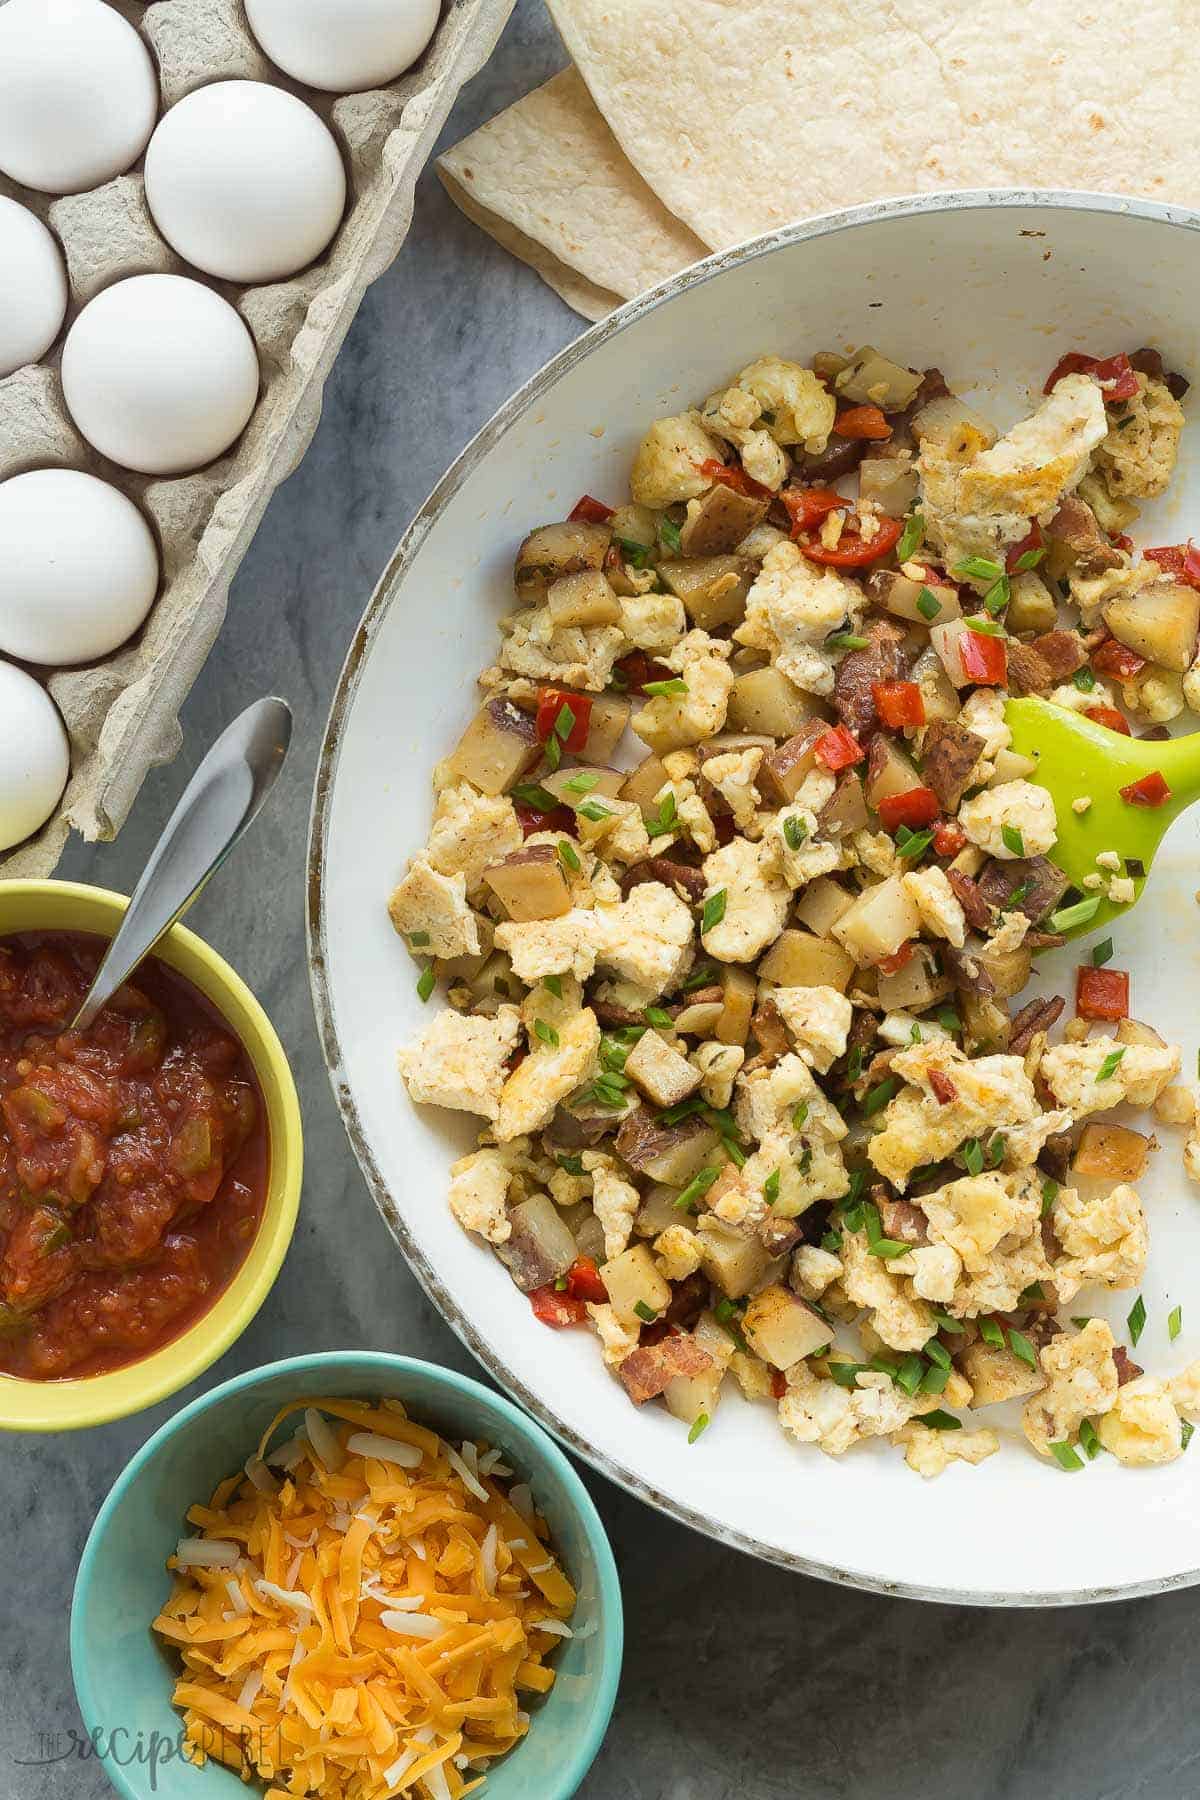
{"x":350,"y":1576}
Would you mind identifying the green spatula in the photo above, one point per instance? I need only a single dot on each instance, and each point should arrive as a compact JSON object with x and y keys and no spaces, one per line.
{"x":1076,"y":757}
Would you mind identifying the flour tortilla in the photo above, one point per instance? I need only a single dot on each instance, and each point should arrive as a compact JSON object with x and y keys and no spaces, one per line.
{"x":549,"y":181}
{"x":743,"y":115}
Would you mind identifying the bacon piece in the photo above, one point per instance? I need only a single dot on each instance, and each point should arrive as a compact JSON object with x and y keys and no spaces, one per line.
{"x":853,"y":688}
{"x":682,"y":879}
{"x":972,"y":900}
{"x":648,"y":1370}
{"x":948,"y":755}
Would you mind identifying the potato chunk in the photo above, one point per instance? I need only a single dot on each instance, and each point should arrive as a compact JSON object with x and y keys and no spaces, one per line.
{"x":782,"y":1328}
{"x":879,"y":922}
{"x":497,"y":748}
{"x":553,"y":551}
{"x":632,"y":1281}
{"x":530,"y":884}
{"x":664,"y":1075}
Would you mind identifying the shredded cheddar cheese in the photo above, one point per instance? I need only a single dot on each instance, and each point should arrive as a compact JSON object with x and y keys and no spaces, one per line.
{"x":360,"y":1610}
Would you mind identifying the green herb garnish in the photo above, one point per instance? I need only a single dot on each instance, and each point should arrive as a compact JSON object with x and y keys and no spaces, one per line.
{"x":937,"y":1420}
{"x":426,"y":983}
{"x":714,"y":910}
{"x":697,"y":1187}
{"x":912,"y":537}
{"x":1084,"y":680}
{"x":1049,"y":1196}
{"x":972,"y":1155}
{"x":1020,"y":1346}
{"x":658,"y":1017}
{"x":771,"y":1187}
{"x":1109,"y":1065}
{"x":1102,"y":953}
{"x":937,"y":1353}
{"x":1089,"y":1439}
{"x":1136,"y":1320}
{"x":568,"y":856}
{"x":1065,"y":1457}
{"x":699,"y":1428}
{"x":646,"y":1313}
{"x":794,"y":831}
{"x":877,"y":1097}
{"x":991,"y":1333}
{"x":546,"y":1033}
{"x":675,"y":685}
{"x":668,"y":813}
{"x":1028,"y":559}
{"x":800,"y":1116}
{"x":583,"y":783}
{"x":928,"y":605}
{"x":554,"y":984}
{"x":845,"y":640}
{"x":1067,"y":917}
{"x":979,"y":568}
{"x":530,"y":794}
{"x":668,"y":531}
{"x":997,"y":596}
{"x":877,"y":1244}
{"x":1012,"y":840}
{"x":1185,"y":1433}
{"x":1174,"y":1322}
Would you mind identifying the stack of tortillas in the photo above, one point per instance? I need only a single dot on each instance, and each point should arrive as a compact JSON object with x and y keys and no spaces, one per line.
{"x":689,"y":125}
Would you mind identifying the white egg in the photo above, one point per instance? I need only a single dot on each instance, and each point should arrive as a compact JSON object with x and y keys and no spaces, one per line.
{"x":78,"y":567}
{"x":343,"y":46}
{"x":33,"y":293}
{"x":35,"y":756}
{"x":78,"y":94}
{"x":245,"y":181}
{"x":160,"y":374}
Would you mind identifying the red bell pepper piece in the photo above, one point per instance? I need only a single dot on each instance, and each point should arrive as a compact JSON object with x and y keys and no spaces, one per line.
{"x":555,"y":1306}
{"x":852,"y":550}
{"x":892,"y":965}
{"x":1115,"y":374}
{"x":551,"y":702}
{"x":898,"y":703}
{"x":1112,"y":658}
{"x":584,"y":1283}
{"x":1122,"y":540}
{"x":948,"y":838}
{"x":837,"y":749}
{"x":984,"y":659}
{"x":1101,"y":993}
{"x":532,"y":818}
{"x":588,"y":511}
{"x":638,"y":668}
{"x":1033,"y":540}
{"x":916,"y":808}
{"x":1180,"y":560}
{"x":731,"y":475}
{"x":808,"y":506}
{"x":778,"y":1384}
{"x":944,"y":1090}
{"x":862,"y":422}
{"x":1151,"y":790}
{"x":1108,"y":715}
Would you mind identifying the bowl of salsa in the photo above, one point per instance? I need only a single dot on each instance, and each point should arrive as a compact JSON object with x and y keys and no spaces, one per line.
{"x":150,"y":1166}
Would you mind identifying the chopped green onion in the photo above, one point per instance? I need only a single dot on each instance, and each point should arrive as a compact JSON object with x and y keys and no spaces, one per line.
{"x":794,"y":831}
{"x":937,"y":1353}
{"x":1174,"y":1322}
{"x":1090,"y":1440}
{"x":934,"y":1380}
{"x":948,"y":1019}
{"x":1084,"y":680}
{"x":564,"y":721}
{"x":832,"y":1241}
{"x":1109,"y":1066}
{"x":658,"y":1017}
{"x":771,"y":1187}
{"x":1034,"y":1291}
{"x":668,"y":531}
{"x":427,"y":982}
{"x":1102,"y":953}
{"x":546,"y":1032}
{"x":846,"y":1374}
{"x":568,"y":856}
{"x":877,"y":1097}
{"x":668,"y":813}
{"x":800,"y":1116}
{"x":1080,"y":1320}
{"x":554,"y":984}
{"x":1020,"y":1346}
{"x":646,"y":1313}
{"x":703,"y":975}
{"x":845,"y":640}
{"x":854,"y":1063}
{"x":1136,"y":1320}
{"x":979,"y":568}
{"x":727,"y":1309}
{"x":675,"y":685}
{"x":418,"y":940}
{"x":928,"y":605}
{"x":877,"y":1244}
{"x":972,"y":1155}
{"x":945,"y":1322}
{"x":912,"y":844}
{"x":572,"y":1164}
{"x":912,"y":537}
{"x":991,"y":1333}
{"x":530,"y":794}
{"x":910,"y":1374}
{"x":1067,"y":917}
{"x":984,"y":626}
{"x":1049,"y":1196}
{"x":914,"y":1036}
{"x":696,"y":1187}
{"x":583,"y":783}
{"x":553,"y":751}
{"x":1028,"y":559}
{"x":937,"y":1420}
{"x":1185,"y":1433}
{"x":997,"y":1145}
{"x":593,"y":810}
{"x":997,"y":596}
{"x":1065,"y":1457}
{"x":699,"y":1428}
{"x":1012,"y":839}
{"x":714,"y":910}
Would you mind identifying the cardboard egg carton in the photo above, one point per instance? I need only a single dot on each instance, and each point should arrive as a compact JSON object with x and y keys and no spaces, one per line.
{"x":122,"y":713}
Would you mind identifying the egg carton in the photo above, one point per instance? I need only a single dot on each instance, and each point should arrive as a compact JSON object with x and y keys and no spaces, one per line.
{"x":122,"y":713}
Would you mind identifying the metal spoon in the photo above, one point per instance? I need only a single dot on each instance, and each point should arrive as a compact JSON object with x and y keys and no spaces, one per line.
{"x":219,"y":804}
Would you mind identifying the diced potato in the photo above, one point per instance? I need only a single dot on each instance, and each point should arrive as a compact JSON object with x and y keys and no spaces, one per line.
{"x":890,"y":482}
{"x":765,"y":700}
{"x":953,"y":428}
{"x":986,"y":1025}
{"x":738,"y":990}
{"x":688,"y":1397}
{"x":499,"y":746}
{"x":847,"y":810}
{"x":890,"y":771}
{"x":632,"y":524}
{"x":466,"y":968}
{"x":945,"y":640}
{"x":672,"y":1154}
{"x":633,"y":1280}
{"x":880,"y":921}
{"x":1112,"y":1151}
{"x":1009,"y":969}
{"x":643,"y":783}
{"x":782,"y":1328}
{"x":530,"y":884}
{"x":606,"y":726}
{"x":662,"y":1072}
{"x":873,"y":379}
{"x":995,"y":1374}
{"x":783,"y":771}
{"x":1031,"y":606}
{"x":736,"y":1263}
{"x":542,"y":1246}
{"x":608,"y":784}
{"x":914,"y":987}
{"x":820,"y":905}
{"x":657,"y":1212}
{"x":583,"y":599}
{"x":553,"y":551}
{"x":701,"y":1017}
{"x":899,"y":594}
{"x":1159,"y":622}
{"x":1011,"y":767}
{"x":718,"y":521}
{"x":797,"y":959}
{"x":938,"y":694}
{"x":1132,"y":1031}
{"x":713,"y":588}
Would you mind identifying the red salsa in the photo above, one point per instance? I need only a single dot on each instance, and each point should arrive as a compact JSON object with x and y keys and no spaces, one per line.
{"x":133,"y":1160}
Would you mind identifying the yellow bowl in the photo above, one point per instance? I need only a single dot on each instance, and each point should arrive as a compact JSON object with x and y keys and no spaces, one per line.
{"x":68,"y":1405}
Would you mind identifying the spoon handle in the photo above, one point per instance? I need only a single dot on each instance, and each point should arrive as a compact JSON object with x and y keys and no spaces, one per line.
{"x":220,"y":802}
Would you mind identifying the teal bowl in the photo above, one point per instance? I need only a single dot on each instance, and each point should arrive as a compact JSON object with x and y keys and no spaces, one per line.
{"x":123,"y":1677}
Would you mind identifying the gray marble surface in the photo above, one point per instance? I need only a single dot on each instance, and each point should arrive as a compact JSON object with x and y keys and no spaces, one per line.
{"x":739,"y":1681}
